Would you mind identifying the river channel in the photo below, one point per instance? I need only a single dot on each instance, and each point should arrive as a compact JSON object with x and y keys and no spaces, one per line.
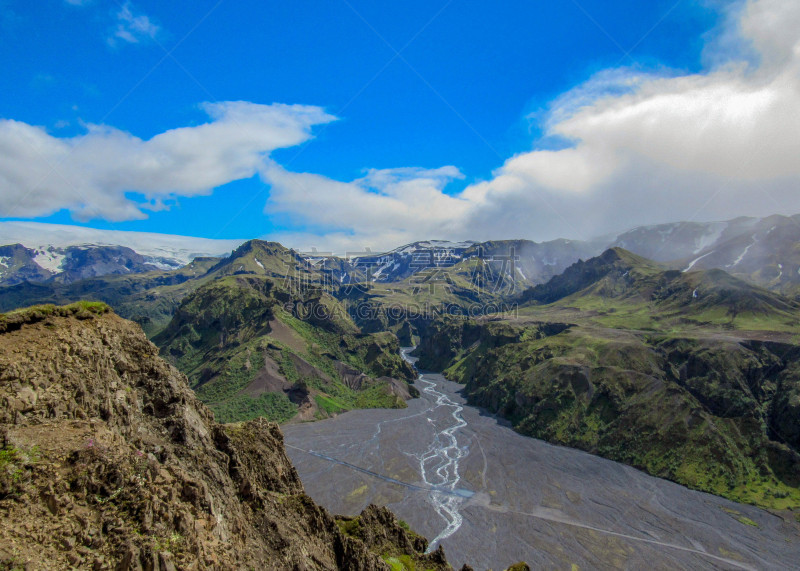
{"x":492,"y":497}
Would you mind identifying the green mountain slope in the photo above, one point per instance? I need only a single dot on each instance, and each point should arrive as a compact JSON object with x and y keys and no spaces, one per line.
{"x":251,"y":347}
{"x":620,"y":289}
{"x":693,"y":376}
{"x":151,"y":298}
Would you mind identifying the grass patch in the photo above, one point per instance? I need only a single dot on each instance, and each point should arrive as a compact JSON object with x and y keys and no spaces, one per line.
{"x":350,"y":526}
{"x":273,"y":406}
{"x":82,"y":309}
{"x":235,"y":374}
{"x":16,"y":465}
{"x":400,"y":562}
{"x":330,"y":405}
{"x":746,"y":521}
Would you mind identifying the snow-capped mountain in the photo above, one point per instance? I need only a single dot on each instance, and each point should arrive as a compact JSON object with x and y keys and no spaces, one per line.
{"x":69,"y":264}
{"x":407,"y":260}
{"x":764,"y":251}
{"x":517,"y":261}
{"x":33,"y":251}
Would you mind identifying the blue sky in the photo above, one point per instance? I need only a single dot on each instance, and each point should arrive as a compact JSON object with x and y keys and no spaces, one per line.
{"x":474,"y":85}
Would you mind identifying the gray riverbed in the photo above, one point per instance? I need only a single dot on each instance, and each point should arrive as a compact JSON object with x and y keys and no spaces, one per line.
{"x":492,"y":497}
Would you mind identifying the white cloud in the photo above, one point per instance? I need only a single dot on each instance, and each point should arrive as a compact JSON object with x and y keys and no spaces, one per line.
{"x":379,"y":210}
{"x":644,"y":148}
{"x":91,"y":174}
{"x":131,"y":27}
{"x":665,"y":147}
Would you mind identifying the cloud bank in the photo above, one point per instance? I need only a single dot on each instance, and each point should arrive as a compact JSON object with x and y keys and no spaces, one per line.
{"x":93,"y":175}
{"x":642,"y":147}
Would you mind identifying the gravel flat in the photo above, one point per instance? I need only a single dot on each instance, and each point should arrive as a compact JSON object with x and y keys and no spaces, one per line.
{"x":492,"y":497}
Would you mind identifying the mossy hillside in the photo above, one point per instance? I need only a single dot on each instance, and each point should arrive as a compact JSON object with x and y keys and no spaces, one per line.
{"x":82,"y":309}
{"x":339,"y":339}
{"x":376,"y":355}
{"x":715,"y":415}
{"x":621,"y":290}
{"x":239,"y":408}
{"x":472,"y":285}
{"x":224,"y":335}
{"x":152,"y":298}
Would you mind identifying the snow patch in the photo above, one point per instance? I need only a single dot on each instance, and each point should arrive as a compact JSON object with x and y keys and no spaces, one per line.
{"x":260,"y":265}
{"x":691,"y":265}
{"x":709,"y":239}
{"x":5,"y":261}
{"x":50,"y":259}
{"x":432,"y":245}
{"x":521,"y":274}
{"x":165,"y":264}
{"x":744,"y":253}
{"x":180,"y":249}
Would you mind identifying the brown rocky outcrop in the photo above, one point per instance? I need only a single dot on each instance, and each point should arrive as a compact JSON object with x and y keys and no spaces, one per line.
{"x":109,"y":461}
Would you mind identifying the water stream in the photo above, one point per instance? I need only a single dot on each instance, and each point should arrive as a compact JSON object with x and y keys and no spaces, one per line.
{"x":492,"y":497}
{"x":439,"y":464}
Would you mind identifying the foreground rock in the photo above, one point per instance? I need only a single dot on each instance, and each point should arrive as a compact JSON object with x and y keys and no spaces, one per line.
{"x":109,"y":461}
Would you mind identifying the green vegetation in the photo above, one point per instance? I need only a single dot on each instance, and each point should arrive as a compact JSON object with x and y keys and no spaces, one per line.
{"x":623,"y":291}
{"x":400,"y":562}
{"x":274,"y":406}
{"x":747,"y":521}
{"x":241,"y":337}
{"x":173,"y":543}
{"x":691,"y":377}
{"x":350,"y":526}
{"x":330,"y":405}
{"x":15,"y":468}
{"x":80,"y":309}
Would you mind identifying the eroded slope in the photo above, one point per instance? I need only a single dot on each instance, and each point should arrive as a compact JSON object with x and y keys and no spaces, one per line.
{"x":109,"y":461}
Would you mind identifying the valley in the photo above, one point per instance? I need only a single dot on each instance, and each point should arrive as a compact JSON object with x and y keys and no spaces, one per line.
{"x":491,"y":496}
{"x":400,"y":286}
{"x":577,"y":397}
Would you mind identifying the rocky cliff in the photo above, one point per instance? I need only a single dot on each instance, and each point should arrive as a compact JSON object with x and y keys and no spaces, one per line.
{"x":109,"y":461}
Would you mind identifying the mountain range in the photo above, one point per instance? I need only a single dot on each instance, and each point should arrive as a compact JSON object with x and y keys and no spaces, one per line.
{"x":40,"y":252}
{"x":761,"y":250}
{"x":661,"y":361}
